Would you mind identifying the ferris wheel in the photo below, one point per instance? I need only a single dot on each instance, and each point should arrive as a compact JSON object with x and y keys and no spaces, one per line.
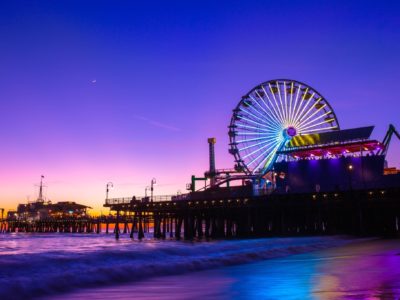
{"x":269,"y":116}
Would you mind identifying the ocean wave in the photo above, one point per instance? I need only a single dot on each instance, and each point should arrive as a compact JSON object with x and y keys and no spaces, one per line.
{"x":28,"y":275}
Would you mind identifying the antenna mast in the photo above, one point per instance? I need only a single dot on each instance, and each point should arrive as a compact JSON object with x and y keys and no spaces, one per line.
{"x":40,"y":198}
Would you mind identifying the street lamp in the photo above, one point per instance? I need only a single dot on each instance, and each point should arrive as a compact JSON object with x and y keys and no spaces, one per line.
{"x":153,"y":182}
{"x":350,"y":168}
{"x":145,"y":191}
{"x":108,"y":185}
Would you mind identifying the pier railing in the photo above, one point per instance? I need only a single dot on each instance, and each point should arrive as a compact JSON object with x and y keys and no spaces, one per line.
{"x":158,"y":198}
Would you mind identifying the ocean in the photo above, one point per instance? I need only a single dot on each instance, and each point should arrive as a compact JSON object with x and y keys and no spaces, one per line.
{"x":90,"y":266}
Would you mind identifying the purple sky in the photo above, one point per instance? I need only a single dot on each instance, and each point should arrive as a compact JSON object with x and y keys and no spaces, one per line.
{"x":98,"y":91}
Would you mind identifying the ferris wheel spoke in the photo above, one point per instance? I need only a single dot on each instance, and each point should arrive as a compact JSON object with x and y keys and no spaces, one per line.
{"x":257,"y":123}
{"x":317,"y":124}
{"x":290,"y":102}
{"x":252,"y":133}
{"x":315,"y":119}
{"x":257,"y":119}
{"x":268,"y":105}
{"x":319,"y":129}
{"x":263,"y":153}
{"x":264,"y":135}
{"x":295,"y":106}
{"x":272,"y":116}
{"x":270,"y":158}
{"x":302,"y":122}
{"x":309,"y":110}
{"x":267,"y":160}
{"x":266,"y":140}
{"x":250,"y":140}
{"x":297,"y":103}
{"x":261,"y":162}
{"x":286,"y":103}
{"x":253,"y":122}
{"x":276,"y":103}
{"x":248,"y":131}
{"x":260,"y":149}
{"x":304,"y":106}
{"x":271,"y":103}
{"x":302,"y":103}
{"x":302,"y":114}
{"x":282,"y":106}
{"x":248,"y":127}
{"x":261,"y":159}
{"x":261,"y":116}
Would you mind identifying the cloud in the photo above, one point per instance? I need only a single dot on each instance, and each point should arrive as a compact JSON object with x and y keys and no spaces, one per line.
{"x":158,"y":124}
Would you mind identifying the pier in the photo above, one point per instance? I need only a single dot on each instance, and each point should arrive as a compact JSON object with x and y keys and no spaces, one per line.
{"x":359,"y":213}
{"x":214,"y":216}
{"x":302,"y":175}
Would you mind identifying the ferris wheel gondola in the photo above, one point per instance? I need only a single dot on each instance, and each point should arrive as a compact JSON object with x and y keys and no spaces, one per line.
{"x":269,"y":116}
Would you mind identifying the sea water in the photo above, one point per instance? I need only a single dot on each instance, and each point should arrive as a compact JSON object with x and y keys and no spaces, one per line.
{"x":73,"y":266}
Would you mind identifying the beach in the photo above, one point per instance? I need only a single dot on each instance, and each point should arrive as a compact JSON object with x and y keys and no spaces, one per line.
{"x":360,"y":270}
{"x":54,"y":266}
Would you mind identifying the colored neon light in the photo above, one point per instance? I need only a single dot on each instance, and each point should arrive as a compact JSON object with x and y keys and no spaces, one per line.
{"x":271,"y":116}
{"x":272,"y":105}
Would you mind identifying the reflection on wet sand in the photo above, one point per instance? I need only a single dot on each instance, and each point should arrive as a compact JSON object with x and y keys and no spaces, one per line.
{"x":363,"y":270}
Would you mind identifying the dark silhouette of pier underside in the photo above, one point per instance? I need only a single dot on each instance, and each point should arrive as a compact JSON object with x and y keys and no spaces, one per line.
{"x":360,"y":213}
{"x":217,"y":215}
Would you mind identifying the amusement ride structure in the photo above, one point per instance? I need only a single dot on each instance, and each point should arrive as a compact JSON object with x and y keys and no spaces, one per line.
{"x":269,"y":116}
{"x":285,"y":122}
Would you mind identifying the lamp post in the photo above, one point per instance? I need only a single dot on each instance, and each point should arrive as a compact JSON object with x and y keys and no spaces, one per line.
{"x":108,"y":185}
{"x":153,"y":182}
{"x":145,"y":191}
{"x":350,"y":168}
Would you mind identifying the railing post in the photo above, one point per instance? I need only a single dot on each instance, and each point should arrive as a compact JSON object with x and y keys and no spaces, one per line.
{"x":117,"y":226}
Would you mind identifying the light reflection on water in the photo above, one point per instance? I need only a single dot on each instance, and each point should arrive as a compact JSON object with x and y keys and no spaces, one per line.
{"x":365,"y":270}
{"x":38,"y":243}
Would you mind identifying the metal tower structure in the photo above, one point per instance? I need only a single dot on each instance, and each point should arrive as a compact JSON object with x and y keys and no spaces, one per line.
{"x":211,"y":171}
{"x":40,"y":197}
{"x":388,"y":137}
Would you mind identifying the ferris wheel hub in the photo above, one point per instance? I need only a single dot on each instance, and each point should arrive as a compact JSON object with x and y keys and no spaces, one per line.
{"x":291,"y":131}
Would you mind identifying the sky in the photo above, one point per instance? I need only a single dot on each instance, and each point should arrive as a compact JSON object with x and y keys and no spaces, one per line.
{"x":125,"y":91}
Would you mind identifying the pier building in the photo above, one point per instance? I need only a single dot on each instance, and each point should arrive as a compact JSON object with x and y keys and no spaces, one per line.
{"x":41,"y":209}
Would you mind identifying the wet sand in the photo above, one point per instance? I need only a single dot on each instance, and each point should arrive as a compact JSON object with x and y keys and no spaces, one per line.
{"x":367,"y":269}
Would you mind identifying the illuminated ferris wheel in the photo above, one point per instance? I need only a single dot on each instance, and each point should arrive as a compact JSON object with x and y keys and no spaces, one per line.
{"x":269,"y":116}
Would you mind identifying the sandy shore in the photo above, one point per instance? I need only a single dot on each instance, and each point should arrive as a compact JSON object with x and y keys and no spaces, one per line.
{"x":366,"y":269}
